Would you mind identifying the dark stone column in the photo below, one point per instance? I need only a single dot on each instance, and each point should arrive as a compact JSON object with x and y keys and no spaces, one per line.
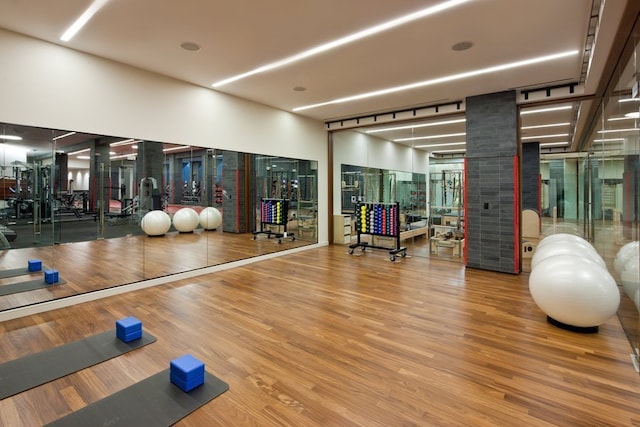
{"x":149,"y":163}
{"x":531,"y":176}
{"x":492,"y":209}
{"x":234,"y":216}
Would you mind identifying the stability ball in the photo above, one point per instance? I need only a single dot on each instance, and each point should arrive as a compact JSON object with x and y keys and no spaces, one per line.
{"x":628,"y":251}
{"x":566,"y":247}
{"x":155,"y":223}
{"x":630,"y":277}
{"x":574,"y":291}
{"x":185,"y":220}
{"x":563,"y":237}
{"x":210,"y":218}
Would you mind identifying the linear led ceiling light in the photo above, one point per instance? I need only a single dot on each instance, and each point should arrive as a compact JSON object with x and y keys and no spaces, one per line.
{"x":554,"y":144}
{"x":550,"y":125}
{"x":545,"y":110}
{"x":430,"y":137}
{"x":488,"y":70}
{"x":445,"y":122}
{"x":63,"y":136}
{"x":124,"y":142}
{"x":609,"y":140}
{"x":83,"y":19}
{"x":618,"y":130}
{"x":557,"y":135}
{"x":440,"y":145}
{"x":345,"y":40}
{"x":11,"y":137}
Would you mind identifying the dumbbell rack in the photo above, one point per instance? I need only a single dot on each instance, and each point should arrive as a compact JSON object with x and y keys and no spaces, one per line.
{"x":378,"y":219}
{"x":274,"y":212}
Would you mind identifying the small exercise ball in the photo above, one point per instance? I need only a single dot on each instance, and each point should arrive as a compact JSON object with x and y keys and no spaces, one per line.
{"x":628,"y":251}
{"x":574,"y":291}
{"x":566,"y":247}
{"x":630,"y":277}
{"x":185,"y":220}
{"x":210,"y":218}
{"x":155,"y":223}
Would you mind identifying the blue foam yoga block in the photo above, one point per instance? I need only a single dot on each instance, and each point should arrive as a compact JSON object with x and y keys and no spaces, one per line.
{"x":128,"y":329}
{"x":34,"y":265}
{"x":51,"y":276}
{"x":187,"y":372}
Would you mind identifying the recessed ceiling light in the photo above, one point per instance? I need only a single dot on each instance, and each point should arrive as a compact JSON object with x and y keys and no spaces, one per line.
{"x":190,"y":46}
{"x":299,"y":89}
{"x":461,"y":46}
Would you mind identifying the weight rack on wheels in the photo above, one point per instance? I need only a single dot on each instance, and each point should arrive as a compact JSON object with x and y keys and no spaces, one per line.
{"x":378,"y":219}
{"x":274,"y":212}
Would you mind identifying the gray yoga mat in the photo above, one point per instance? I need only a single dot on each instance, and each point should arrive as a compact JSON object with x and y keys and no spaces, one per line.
{"x":14,"y":272}
{"x":27,"y":285}
{"x":36,"y":369}
{"x":154,"y":401}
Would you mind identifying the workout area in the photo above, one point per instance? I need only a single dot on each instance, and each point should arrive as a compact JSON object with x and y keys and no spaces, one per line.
{"x":323,"y":214}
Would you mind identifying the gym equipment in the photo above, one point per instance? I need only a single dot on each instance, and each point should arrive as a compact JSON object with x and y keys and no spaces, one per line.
{"x":274,"y":212}
{"x":378,"y":219}
{"x":630,"y":279}
{"x":34,"y":265}
{"x":162,"y":403}
{"x":156,"y":223}
{"x":574,"y":292}
{"x":628,"y":251}
{"x":565,"y":237}
{"x":51,"y":277}
{"x":187,"y":372}
{"x":566,"y":247}
{"x":185,"y":220}
{"x":29,"y":285}
{"x":210,"y":218}
{"x":36,"y":369}
{"x":129,"y":329}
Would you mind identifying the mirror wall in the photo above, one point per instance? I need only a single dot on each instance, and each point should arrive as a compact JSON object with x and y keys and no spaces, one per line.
{"x":75,"y":201}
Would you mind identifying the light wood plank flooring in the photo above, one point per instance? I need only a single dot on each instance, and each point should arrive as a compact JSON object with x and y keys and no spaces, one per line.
{"x":323,"y":338}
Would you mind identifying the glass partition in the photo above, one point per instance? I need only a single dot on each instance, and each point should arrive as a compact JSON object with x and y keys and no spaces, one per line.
{"x":79,"y":202}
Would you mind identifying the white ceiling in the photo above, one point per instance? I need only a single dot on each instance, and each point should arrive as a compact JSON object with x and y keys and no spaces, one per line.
{"x":240,"y":35}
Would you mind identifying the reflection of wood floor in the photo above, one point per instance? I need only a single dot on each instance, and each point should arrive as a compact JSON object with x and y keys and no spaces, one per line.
{"x":322,"y":338}
{"x":99,"y":264}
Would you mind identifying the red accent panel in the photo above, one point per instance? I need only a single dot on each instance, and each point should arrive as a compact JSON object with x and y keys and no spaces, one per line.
{"x":540,"y":201}
{"x":516,"y":216}
{"x":464,"y":205}
{"x":237,"y":202}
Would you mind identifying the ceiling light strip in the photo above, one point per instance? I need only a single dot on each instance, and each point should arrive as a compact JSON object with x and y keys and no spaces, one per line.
{"x":445,"y":122}
{"x":488,"y":70}
{"x":345,"y":40}
{"x":82,"y":20}
{"x":448,"y":135}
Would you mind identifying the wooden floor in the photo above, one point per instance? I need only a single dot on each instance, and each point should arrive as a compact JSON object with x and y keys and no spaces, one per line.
{"x":323,"y":338}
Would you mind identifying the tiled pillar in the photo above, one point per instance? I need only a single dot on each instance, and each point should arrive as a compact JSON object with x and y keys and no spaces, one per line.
{"x":492,"y":196}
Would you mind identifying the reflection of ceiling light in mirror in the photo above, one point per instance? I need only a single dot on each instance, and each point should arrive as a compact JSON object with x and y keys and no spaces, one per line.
{"x":551,"y":125}
{"x":450,"y":151}
{"x":438,"y":80}
{"x":82,"y":20}
{"x":448,"y":135}
{"x":124,"y":156}
{"x":634,"y":115}
{"x":181,"y":147}
{"x":553,"y":144}
{"x":618,"y":130}
{"x":545,"y":110}
{"x":78,"y":152}
{"x":84,"y":157}
{"x":11,"y":137}
{"x":445,"y":122}
{"x":63,"y":136}
{"x":629,"y":100}
{"x":124,"y":142}
{"x":345,"y":40}
{"x":609,"y":140}
{"x":556,"y":135}
{"x":615,"y":119}
{"x":440,"y":145}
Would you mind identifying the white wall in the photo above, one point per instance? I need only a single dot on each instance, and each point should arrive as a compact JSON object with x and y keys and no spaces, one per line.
{"x":358,"y":149}
{"x":50,"y":86}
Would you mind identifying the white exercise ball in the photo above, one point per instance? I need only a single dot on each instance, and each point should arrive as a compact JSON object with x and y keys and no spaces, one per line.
{"x":628,"y":251}
{"x":210,"y":218}
{"x":566,"y":247}
{"x":563,"y":237}
{"x":574,"y":291}
{"x":185,"y":220}
{"x":630,"y":277}
{"x":155,"y":223}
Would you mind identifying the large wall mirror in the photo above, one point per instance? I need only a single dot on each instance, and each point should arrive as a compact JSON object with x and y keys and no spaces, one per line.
{"x":76,"y":201}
